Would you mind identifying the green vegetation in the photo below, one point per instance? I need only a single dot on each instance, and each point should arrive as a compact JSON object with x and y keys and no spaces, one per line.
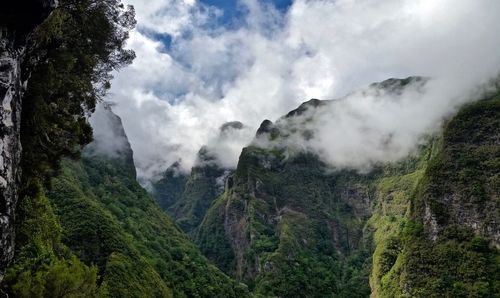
{"x":460,"y":187}
{"x":295,"y":229}
{"x":212,"y":239}
{"x":390,"y":214}
{"x":70,"y":58}
{"x":100,"y":234}
{"x":169,"y":189}
{"x":109,"y":220}
{"x":44,"y":267}
{"x":443,"y":247}
{"x":286,"y":225}
{"x":126,"y":246}
{"x":77,"y":48}
{"x":458,"y":265}
{"x":192,"y":195}
{"x":425,"y":226}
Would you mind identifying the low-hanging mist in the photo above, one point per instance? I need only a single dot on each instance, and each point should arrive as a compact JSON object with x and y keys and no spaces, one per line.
{"x":193,"y":74}
{"x":382,"y":123}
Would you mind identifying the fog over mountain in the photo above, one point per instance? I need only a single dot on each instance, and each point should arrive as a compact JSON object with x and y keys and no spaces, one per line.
{"x":382,"y":123}
{"x":193,"y":74}
{"x":250,"y":148}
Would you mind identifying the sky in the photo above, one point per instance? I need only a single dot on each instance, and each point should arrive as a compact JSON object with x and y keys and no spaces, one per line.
{"x":233,"y":10}
{"x":203,"y":63}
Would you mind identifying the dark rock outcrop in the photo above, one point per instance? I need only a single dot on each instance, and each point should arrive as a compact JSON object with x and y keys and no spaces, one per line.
{"x":266,"y":126}
{"x":17,"y":19}
{"x":312,"y":103}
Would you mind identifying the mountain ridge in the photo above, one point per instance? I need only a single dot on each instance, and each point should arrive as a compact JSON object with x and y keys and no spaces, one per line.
{"x":277,"y":208}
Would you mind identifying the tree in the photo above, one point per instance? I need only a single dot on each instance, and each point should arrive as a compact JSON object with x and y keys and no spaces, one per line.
{"x":71,"y":60}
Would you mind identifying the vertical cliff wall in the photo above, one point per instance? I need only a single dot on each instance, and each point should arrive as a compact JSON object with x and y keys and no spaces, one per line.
{"x":17,"y":19}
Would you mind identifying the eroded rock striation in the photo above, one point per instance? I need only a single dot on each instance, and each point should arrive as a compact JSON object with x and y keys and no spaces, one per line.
{"x":17,"y":20}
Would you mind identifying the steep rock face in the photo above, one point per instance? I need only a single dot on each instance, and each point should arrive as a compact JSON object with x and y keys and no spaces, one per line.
{"x":17,"y":19}
{"x":10,"y":147}
{"x":436,"y":228}
{"x":283,"y":222}
{"x":169,"y":188}
{"x":390,"y":213}
{"x":289,"y":226}
{"x":187,"y":196}
{"x":110,"y":139}
{"x":464,"y":180}
{"x":286,"y":218}
{"x":451,"y":248}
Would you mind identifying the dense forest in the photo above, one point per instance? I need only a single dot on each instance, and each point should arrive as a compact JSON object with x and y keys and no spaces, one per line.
{"x":283,"y":223}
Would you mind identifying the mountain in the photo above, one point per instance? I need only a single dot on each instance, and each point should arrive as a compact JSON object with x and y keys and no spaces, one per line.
{"x":109,"y":221}
{"x":450,"y":243}
{"x":71,"y":225}
{"x":53,"y":70}
{"x":74,"y":222}
{"x":187,"y":196}
{"x":169,"y":188}
{"x":288,"y":225}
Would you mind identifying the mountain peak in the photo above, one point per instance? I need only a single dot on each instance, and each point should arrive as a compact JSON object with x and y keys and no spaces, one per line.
{"x":265,"y":127}
{"x":312,"y":103}
{"x":110,"y":140}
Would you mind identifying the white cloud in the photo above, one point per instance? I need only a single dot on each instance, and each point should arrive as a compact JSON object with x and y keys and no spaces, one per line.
{"x":168,"y":16}
{"x":109,"y":138}
{"x":172,"y":101}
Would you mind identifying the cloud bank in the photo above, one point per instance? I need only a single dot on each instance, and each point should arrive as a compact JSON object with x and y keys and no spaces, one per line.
{"x":382,"y":123}
{"x":192,"y":75}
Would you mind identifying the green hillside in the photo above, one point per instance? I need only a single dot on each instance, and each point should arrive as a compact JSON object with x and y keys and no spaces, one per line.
{"x":103,"y":217}
{"x":449,"y":244}
{"x":187,"y":197}
{"x":425,"y":226}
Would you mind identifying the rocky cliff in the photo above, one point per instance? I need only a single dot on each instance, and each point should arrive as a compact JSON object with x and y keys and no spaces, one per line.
{"x":17,"y":20}
{"x":289,"y":225}
{"x":449,"y":246}
{"x":292,"y":229}
{"x":187,"y":196}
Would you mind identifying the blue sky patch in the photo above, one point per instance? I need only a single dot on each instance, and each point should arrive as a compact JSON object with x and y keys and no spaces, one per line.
{"x":234,"y":11}
{"x":232,"y":18}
